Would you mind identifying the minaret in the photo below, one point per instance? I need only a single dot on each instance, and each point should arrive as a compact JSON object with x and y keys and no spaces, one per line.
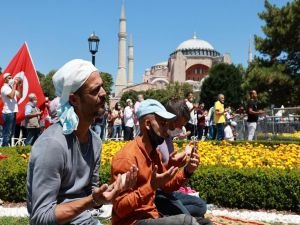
{"x":250,"y":52}
{"x":130,"y":62}
{"x":121,"y":80}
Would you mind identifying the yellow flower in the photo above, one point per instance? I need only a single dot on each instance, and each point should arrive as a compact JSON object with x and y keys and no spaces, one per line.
{"x":283,"y":156}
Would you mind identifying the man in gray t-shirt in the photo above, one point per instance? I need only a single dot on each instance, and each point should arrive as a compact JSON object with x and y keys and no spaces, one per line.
{"x":63,"y":179}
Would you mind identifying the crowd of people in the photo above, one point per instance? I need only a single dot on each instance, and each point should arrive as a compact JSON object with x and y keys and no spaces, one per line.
{"x":219,"y":121}
{"x":147,"y":174}
{"x":216,"y":123}
{"x":118,"y":123}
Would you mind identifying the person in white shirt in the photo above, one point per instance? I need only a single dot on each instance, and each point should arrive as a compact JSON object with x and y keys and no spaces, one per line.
{"x":11,"y":89}
{"x":191,"y":126}
{"x":128,"y":120}
{"x":140,"y":98}
{"x":212,"y":130}
{"x":229,"y":131}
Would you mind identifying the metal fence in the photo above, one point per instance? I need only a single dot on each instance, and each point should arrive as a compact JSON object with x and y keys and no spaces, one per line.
{"x":276,"y":122}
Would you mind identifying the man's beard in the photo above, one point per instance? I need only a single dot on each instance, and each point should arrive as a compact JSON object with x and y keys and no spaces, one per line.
{"x":100,"y":107}
{"x":154,"y":138}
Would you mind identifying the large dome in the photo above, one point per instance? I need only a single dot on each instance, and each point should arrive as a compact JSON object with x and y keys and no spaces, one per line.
{"x":194,"y":43}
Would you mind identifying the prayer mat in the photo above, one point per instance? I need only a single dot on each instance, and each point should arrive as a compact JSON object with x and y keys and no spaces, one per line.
{"x":227,"y":220}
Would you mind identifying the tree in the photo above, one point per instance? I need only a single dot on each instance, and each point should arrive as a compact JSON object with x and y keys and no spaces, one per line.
{"x":131,"y":94}
{"x":160,"y":95}
{"x":226,"y":79}
{"x":47,"y":84}
{"x":40,"y":75}
{"x":49,"y":90}
{"x":282,"y":30}
{"x":107,"y":83}
{"x":270,"y":84}
{"x":173,"y":90}
{"x":178,"y":90}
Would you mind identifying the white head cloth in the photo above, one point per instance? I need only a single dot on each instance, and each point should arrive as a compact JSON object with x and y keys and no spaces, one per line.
{"x":68,"y":79}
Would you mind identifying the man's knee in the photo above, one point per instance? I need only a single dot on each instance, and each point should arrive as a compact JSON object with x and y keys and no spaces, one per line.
{"x":185,"y":220}
{"x":202,"y":207}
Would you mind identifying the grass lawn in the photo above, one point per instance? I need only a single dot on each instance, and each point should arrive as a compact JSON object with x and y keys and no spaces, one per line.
{"x":14,"y":221}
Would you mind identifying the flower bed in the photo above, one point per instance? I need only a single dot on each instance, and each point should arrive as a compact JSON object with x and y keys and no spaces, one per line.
{"x":239,"y":155}
{"x":241,"y":174}
{"x":262,"y":175}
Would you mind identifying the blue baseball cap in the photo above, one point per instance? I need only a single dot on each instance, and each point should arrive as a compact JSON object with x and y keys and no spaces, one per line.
{"x":150,"y":106}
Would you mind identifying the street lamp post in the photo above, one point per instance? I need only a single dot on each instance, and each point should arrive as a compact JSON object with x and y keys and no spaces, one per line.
{"x":93,"y":45}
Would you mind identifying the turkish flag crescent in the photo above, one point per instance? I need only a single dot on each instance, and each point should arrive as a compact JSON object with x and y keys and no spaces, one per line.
{"x":22,"y":64}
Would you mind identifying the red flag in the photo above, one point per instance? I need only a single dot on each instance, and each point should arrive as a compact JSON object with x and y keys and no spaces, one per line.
{"x":22,"y":64}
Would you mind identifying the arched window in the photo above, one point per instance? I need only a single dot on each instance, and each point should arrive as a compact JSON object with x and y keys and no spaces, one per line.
{"x":196,"y":72}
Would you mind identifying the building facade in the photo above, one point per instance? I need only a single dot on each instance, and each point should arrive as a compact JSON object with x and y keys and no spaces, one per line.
{"x":189,"y":62}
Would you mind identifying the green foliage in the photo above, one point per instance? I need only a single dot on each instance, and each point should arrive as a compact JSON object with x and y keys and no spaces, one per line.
{"x":40,"y":75}
{"x":225,"y":79}
{"x":160,"y":95}
{"x":104,"y":177}
{"x":270,"y":83}
{"x":173,"y":90}
{"x":228,"y":187}
{"x":248,"y":188}
{"x":47,"y":85}
{"x":295,"y":95}
{"x":107,"y":83}
{"x":177,"y":90}
{"x":13,"y":175}
{"x":14,"y":221}
{"x":131,"y":94}
{"x":49,"y":90}
{"x":281,"y":43}
{"x":280,"y":49}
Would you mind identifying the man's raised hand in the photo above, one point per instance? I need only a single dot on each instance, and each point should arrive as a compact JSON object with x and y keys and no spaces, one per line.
{"x":193,"y":163}
{"x":177,"y":159}
{"x":107,"y":193}
{"x":159,"y":179}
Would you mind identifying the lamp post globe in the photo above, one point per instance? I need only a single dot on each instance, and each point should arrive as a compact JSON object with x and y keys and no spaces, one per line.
{"x":93,"y":45}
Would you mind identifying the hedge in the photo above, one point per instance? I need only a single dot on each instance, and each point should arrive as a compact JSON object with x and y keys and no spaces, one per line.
{"x":228,"y":187}
{"x":249,"y":188}
{"x":13,"y":171}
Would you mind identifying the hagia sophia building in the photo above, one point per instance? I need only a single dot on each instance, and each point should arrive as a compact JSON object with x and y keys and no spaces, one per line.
{"x":189,"y":62}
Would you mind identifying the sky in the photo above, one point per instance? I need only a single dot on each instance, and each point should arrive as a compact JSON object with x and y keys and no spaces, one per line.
{"x":56,"y":31}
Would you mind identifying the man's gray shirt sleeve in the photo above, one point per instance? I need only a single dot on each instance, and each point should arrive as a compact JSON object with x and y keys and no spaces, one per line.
{"x":46,"y":169}
{"x":60,"y":172}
